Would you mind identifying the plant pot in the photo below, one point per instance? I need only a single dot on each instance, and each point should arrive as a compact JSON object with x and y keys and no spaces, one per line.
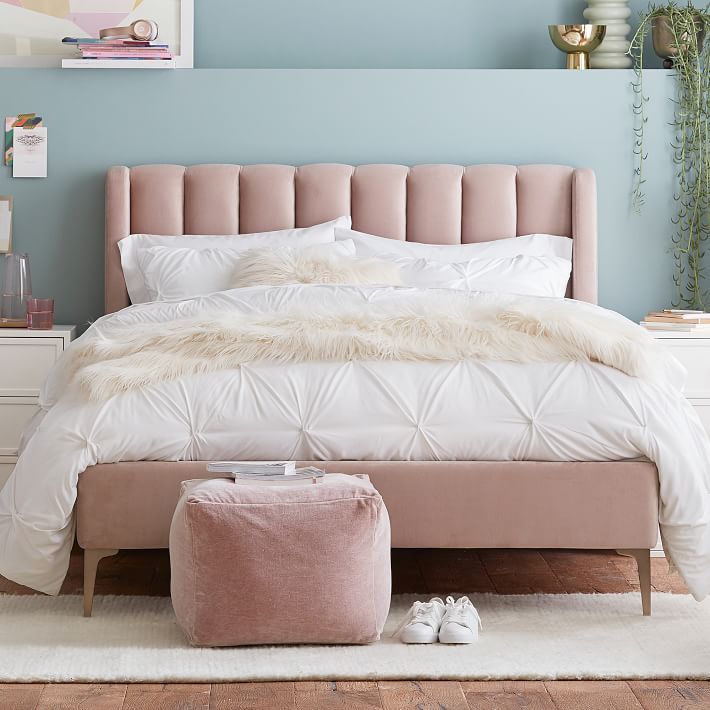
{"x":664,"y":43}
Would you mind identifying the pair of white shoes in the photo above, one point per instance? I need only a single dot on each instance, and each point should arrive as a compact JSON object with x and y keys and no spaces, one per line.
{"x":453,"y":621}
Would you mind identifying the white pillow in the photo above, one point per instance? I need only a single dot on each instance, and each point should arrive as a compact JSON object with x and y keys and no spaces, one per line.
{"x":322,"y":264}
{"x":171,"y":274}
{"x":523,"y":275}
{"x":531,"y":245}
{"x":131,"y":246}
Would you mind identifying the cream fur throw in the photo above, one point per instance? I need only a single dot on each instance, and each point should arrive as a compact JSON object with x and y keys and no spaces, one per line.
{"x":431,"y":325}
{"x":317,"y":264}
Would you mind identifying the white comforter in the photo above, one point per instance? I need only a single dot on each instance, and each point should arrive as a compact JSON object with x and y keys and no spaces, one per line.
{"x":362,"y":410}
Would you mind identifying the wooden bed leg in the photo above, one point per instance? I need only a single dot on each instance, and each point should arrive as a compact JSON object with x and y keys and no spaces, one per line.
{"x":91,"y":563}
{"x":643,"y":563}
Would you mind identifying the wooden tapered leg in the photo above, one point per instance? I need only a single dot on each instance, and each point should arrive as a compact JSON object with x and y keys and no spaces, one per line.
{"x":91,"y":563}
{"x":643,"y":563}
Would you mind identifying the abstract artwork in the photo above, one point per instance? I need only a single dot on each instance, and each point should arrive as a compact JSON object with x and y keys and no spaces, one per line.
{"x":31,"y":31}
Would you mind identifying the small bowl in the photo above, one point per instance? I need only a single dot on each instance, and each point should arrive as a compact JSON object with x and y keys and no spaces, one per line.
{"x":577,"y":42}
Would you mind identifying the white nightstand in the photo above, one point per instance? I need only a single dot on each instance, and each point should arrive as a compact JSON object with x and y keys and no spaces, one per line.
{"x":693,"y":351}
{"x":26,"y":357}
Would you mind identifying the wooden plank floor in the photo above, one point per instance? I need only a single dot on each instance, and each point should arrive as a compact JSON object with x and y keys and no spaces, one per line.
{"x":416,"y":571}
{"x":382,"y":695}
{"x":147,"y":572}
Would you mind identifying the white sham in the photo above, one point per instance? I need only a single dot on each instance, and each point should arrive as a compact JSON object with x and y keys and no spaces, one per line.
{"x":530,"y":245}
{"x":523,"y":275}
{"x":171,"y":274}
{"x":132,"y":246}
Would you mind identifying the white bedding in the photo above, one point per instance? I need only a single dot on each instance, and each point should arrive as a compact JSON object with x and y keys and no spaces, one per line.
{"x":361,"y":410}
{"x":177,"y":275}
{"x":521,"y":274}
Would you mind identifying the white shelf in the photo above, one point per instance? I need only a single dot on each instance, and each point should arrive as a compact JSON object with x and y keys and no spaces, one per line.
{"x":118,"y":64}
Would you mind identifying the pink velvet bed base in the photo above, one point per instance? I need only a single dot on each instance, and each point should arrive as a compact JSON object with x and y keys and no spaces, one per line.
{"x":479,"y":504}
{"x":591,"y":505}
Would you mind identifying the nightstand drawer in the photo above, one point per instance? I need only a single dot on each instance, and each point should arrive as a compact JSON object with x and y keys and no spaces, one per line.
{"x":15,"y":413}
{"x":25,"y":363}
{"x":695,"y":357}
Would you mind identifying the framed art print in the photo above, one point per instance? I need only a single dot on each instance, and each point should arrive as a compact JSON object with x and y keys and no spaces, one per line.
{"x":31,"y":31}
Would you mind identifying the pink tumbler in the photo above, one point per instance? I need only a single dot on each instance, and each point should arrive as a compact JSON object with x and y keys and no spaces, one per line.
{"x":40,"y":313}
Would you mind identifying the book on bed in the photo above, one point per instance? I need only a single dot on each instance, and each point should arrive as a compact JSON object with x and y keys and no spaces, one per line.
{"x":270,"y":472}
{"x":254,"y":468}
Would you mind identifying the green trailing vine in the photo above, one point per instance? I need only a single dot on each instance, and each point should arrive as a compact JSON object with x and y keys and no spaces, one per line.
{"x":691,"y":142}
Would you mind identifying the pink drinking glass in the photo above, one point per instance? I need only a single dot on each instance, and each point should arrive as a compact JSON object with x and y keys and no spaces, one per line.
{"x":40,"y":313}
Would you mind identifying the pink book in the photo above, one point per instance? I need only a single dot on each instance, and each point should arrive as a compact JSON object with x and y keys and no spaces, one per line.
{"x":124,"y":55}
{"x":165,"y":55}
{"x":121,"y":48}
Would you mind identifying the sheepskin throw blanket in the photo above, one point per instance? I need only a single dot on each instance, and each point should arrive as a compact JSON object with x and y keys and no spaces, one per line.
{"x":320,"y":263}
{"x":435,"y":325}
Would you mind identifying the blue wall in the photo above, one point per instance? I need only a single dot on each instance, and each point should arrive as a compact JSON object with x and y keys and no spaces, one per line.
{"x":354,"y":116}
{"x":376,"y":34}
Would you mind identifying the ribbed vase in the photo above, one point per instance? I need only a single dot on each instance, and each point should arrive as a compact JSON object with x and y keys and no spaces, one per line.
{"x":614,"y":14}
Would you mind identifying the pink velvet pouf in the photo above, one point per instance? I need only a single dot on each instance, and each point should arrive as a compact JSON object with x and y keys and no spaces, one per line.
{"x":297,"y":563}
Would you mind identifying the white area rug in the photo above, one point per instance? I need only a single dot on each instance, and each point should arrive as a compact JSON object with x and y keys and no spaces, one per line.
{"x":524,"y":637}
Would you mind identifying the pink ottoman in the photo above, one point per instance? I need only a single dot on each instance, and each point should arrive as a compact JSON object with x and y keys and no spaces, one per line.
{"x":296,"y":563}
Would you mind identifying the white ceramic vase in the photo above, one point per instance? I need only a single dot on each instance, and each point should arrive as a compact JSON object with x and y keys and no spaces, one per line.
{"x":614,"y":14}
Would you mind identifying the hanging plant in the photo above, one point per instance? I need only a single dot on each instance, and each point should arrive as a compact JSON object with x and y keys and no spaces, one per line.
{"x":679,"y":32}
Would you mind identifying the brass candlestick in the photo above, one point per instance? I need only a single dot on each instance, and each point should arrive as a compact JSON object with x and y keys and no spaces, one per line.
{"x":577,"y":42}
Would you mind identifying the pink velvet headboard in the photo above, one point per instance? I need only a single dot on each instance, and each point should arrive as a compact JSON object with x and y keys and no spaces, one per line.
{"x":438,"y":204}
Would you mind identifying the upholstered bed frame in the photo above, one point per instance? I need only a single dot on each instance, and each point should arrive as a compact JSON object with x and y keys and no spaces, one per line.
{"x":465,"y":504}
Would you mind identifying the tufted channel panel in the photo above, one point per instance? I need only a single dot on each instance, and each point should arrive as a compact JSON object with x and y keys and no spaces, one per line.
{"x":433,"y":204}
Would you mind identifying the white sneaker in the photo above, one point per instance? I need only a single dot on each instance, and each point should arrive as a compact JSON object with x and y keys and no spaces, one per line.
{"x":422,"y":622}
{"x":461,"y":622}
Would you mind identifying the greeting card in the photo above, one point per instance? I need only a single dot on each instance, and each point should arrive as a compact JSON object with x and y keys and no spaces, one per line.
{"x":26,"y":120}
{"x":29,"y":152}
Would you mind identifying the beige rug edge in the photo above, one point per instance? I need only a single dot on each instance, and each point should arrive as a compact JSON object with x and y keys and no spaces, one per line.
{"x":528,"y":637}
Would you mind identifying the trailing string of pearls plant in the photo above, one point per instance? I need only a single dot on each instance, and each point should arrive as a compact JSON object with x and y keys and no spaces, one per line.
{"x":678,"y":34}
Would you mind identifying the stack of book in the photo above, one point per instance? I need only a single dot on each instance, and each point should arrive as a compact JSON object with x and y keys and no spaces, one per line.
{"x":677,"y":321}
{"x":265,"y":471}
{"x":120,"y":50}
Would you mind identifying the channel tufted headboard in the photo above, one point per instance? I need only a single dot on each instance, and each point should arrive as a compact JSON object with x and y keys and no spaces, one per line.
{"x":437,"y":204}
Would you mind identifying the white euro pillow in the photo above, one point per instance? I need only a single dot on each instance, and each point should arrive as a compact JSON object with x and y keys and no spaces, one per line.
{"x":530,"y":245}
{"x":131,"y":246}
{"x":172,"y":274}
{"x":523,"y":275}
